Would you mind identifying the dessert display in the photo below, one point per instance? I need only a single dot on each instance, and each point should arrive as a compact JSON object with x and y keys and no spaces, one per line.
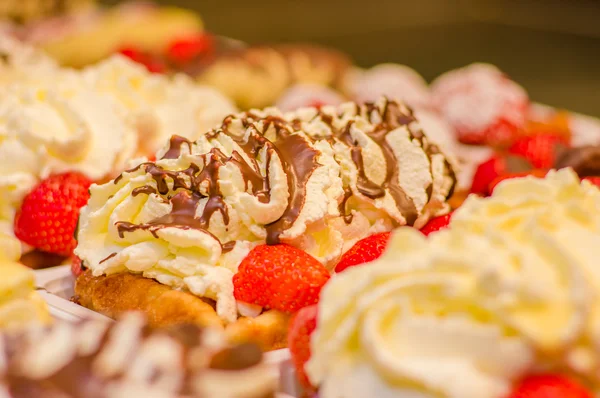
{"x":129,"y":359}
{"x":247,"y":221}
{"x":30,"y":10}
{"x":88,"y":123}
{"x":20,"y":305}
{"x":501,"y":303}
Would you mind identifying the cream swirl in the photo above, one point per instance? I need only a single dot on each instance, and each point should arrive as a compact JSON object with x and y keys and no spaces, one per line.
{"x":318,"y":180}
{"x":511,"y":287}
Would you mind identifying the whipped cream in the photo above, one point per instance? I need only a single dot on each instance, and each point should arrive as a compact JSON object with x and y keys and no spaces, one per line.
{"x":92,"y":121}
{"x":316,"y":179}
{"x":511,"y":287}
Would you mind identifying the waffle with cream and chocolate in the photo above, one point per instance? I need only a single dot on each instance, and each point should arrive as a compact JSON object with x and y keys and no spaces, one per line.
{"x":167,"y":237}
{"x":96,"y":359}
{"x":257,"y":76}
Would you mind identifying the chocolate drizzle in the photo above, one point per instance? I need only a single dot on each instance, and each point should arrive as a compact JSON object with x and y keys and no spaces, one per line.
{"x":270,"y":136}
{"x":584,"y":160}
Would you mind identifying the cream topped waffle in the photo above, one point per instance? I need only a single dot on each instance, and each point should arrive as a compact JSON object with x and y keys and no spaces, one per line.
{"x":318,"y":180}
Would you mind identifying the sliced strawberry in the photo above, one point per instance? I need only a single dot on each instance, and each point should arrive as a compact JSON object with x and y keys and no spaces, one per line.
{"x":539,"y":150}
{"x":549,"y":386}
{"x":536,"y":173}
{"x":302,"y":325}
{"x":364,"y":251}
{"x":436,"y":224}
{"x":495,"y":167}
{"x":48,"y":216}
{"x":186,"y":49}
{"x":280,"y":277}
{"x":76,"y":266}
{"x":593,"y":180}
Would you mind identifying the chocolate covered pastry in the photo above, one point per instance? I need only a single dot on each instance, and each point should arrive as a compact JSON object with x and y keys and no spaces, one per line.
{"x":96,"y":359}
{"x":318,"y":180}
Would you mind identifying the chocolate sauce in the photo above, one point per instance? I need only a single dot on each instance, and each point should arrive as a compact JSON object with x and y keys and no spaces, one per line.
{"x":146,"y":190}
{"x":108,"y":258}
{"x":584,"y":160}
{"x":342,"y":206}
{"x":175,"y":144}
{"x":299,"y":160}
{"x":240,"y":357}
{"x":227,"y":247}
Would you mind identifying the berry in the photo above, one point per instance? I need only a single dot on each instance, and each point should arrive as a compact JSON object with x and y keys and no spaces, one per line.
{"x":483,"y":105}
{"x":593,"y":180}
{"x":549,"y":386}
{"x":495,"y":167}
{"x":48,"y":216}
{"x":280,"y":277}
{"x":436,"y":224}
{"x":539,"y":150}
{"x":364,"y":251}
{"x":536,"y":173}
{"x":302,"y":324}
{"x":152,"y":63}
{"x":76,"y":266}
{"x":186,"y":49}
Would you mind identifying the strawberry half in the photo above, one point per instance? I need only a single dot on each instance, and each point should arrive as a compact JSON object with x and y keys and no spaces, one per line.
{"x":48,"y":216}
{"x":540,"y":150}
{"x":152,"y":63}
{"x":536,"y":173}
{"x":364,"y":251}
{"x":495,"y":167}
{"x":280,"y":277}
{"x":549,"y":386}
{"x":186,"y":49}
{"x":436,"y":224}
{"x":302,"y":324}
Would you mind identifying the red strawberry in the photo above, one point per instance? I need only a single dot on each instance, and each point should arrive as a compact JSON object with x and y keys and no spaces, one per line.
{"x":186,"y":49}
{"x":280,"y":277}
{"x":302,"y":324}
{"x":539,"y":150}
{"x":48,"y":216}
{"x":436,"y":224}
{"x":152,"y":63}
{"x":364,"y":251}
{"x":536,"y":173}
{"x":549,"y":386}
{"x":593,"y":180}
{"x":76,"y":267}
{"x":495,"y":167}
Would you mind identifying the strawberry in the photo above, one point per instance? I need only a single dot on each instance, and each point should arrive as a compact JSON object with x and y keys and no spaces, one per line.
{"x":186,"y":49}
{"x":302,"y":324}
{"x":152,"y":63}
{"x":535,"y":172}
{"x":495,"y":167}
{"x":436,"y":224}
{"x":593,"y":180}
{"x":549,"y":386}
{"x":280,"y":277}
{"x":540,"y":150}
{"x":364,"y":251}
{"x":76,"y":266}
{"x":48,"y":216}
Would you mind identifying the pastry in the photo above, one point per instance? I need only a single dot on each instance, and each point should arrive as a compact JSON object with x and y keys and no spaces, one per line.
{"x":503,"y":300}
{"x":482,"y":104}
{"x":96,"y":359}
{"x":394,"y":81}
{"x":308,"y":95}
{"x":31,"y":10}
{"x":314,"y":180}
{"x":84,"y":38}
{"x":56,"y":120}
{"x":256,"y":76}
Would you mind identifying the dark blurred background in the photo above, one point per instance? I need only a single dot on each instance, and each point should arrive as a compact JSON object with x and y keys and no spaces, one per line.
{"x":552,"y":47}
